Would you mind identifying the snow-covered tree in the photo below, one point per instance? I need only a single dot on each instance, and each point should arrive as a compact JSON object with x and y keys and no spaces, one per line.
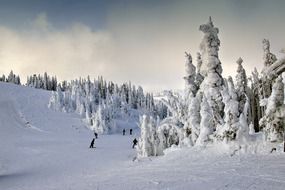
{"x":149,"y":141}
{"x":11,"y":77}
{"x":177,"y":107}
{"x":169,"y":135}
{"x":98,"y":123}
{"x":99,"y":101}
{"x":194,"y":118}
{"x":255,"y":96}
{"x":190,"y":86}
{"x":207,"y":123}
{"x":268,"y":57}
{"x":44,"y":82}
{"x":88,"y":112}
{"x":241,"y":85}
{"x":227,"y":132}
{"x":212,"y":85}
{"x":199,"y":77}
{"x":273,"y":122}
{"x":57,"y":100}
{"x":243,"y":130}
{"x":3,"y":78}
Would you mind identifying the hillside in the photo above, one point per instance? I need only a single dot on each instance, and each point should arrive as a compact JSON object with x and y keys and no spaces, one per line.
{"x":44,"y":149}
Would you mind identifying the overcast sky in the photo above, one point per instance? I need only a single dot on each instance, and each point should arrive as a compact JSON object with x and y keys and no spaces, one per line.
{"x":141,"y":41}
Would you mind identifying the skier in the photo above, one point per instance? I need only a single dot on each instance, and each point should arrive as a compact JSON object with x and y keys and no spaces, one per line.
{"x":92,"y":143}
{"x":96,"y":135}
{"x":135,"y":141}
{"x":124,"y":131}
{"x":131,"y":131}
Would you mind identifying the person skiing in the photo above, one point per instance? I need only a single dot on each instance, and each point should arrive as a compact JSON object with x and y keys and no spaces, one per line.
{"x":124,"y":131}
{"x":96,"y":135}
{"x":92,"y":143}
{"x":135,"y":141}
{"x":131,"y":131}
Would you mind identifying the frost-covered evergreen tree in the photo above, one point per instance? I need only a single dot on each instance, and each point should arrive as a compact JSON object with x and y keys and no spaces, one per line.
{"x":268,"y":57}
{"x":212,"y":70}
{"x":100,"y":102}
{"x":256,"y":96}
{"x":44,"y":82}
{"x":17,"y":80}
{"x":199,"y":77}
{"x":57,"y":100}
{"x":12,"y":78}
{"x":227,"y":132}
{"x":3,"y":78}
{"x":169,"y":135}
{"x":241,"y":85}
{"x":243,"y":130}
{"x":273,"y":122}
{"x":194,"y":118}
{"x":177,"y":107}
{"x":88,"y":112}
{"x":98,"y":123}
{"x":207,"y":123}
{"x":149,"y":141}
{"x":190,"y":86}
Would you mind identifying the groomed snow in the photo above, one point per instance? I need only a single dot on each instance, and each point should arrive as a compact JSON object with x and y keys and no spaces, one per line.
{"x":41,"y":149}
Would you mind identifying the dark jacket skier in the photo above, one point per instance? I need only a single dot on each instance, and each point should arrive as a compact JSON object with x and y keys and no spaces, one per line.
{"x":96,"y":135}
{"x":131,"y":131}
{"x":124,"y":131}
{"x":135,"y":141}
{"x":92,"y":143}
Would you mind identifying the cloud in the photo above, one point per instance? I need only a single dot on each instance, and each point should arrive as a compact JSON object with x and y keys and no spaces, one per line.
{"x":68,"y":53}
{"x":41,"y":22}
{"x":143,"y":43}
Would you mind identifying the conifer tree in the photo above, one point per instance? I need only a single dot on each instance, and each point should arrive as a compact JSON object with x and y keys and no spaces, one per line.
{"x":213,"y":83}
{"x":207,"y":123}
{"x":241,"y":85}
{"x":190,"y":86}
{"x":273,"y":122}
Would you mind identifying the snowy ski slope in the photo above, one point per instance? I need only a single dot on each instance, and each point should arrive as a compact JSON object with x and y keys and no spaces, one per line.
{"x":41,"y":149}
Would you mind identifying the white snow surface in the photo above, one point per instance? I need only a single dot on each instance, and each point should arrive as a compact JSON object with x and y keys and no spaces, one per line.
{"x":41,"y":149}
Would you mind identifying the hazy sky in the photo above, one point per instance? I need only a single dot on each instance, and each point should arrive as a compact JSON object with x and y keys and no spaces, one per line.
{"x":142,"y":41}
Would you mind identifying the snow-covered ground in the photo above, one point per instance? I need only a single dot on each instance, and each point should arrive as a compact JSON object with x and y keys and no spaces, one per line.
{"x":44,"y":149}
